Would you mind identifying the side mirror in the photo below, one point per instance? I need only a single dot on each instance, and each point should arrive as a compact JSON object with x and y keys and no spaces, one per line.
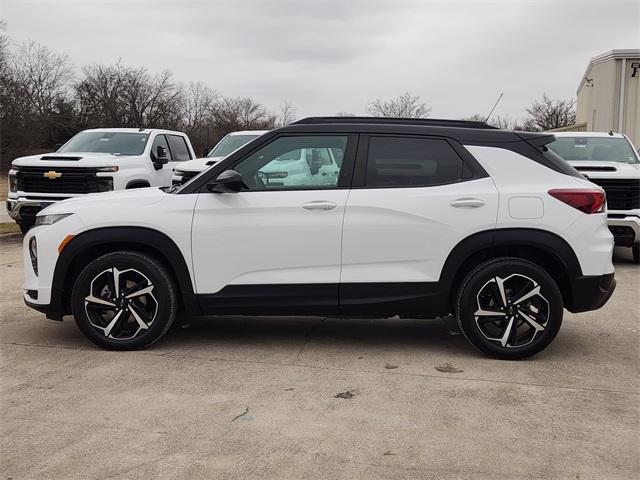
{"x":160,"y":157}
{"x":228,"y":181}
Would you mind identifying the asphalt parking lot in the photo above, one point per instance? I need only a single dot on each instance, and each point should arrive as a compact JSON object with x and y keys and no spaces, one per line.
{"x":318,"y":398}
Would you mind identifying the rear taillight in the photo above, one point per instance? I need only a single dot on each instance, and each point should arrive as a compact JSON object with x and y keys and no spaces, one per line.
{"x":584,"y":199}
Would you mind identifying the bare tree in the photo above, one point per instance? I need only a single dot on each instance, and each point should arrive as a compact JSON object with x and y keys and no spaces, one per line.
{"x":152,"y":100}
{"x":404,"y":106}
{"x":117,"y":95}
{"x":476,"y":117}
{"x":4,"y":49}
{"x":100,"y":96}
{"x":505,"y":122}
{"x":552,"y":113}
{"x":242,"y":113}
{"x":44,"y":75}
{"x":197,"y":102}
{"x":287,"y":114}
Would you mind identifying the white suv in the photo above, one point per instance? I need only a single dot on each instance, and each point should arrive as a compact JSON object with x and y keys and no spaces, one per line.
{"x":98,"y":160}
{"x":611,"y":161}
{"x":425,"y":218}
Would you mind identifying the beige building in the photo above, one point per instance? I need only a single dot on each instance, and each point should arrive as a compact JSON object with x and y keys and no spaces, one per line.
{"x":609,"y":95}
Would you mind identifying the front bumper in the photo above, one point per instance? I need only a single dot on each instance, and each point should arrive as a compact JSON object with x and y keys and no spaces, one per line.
{"x":625,"y":228}
{"x":591,"y":292}
{"x":23,"y":209}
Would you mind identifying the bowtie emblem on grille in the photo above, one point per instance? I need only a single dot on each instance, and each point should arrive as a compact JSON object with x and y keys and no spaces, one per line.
{"x":51,"y":175}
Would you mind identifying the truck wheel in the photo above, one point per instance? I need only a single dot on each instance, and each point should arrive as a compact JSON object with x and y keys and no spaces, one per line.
{"x":25,"y":226}
{"x":124,"y":301}
{"x":509,"y":308}
{"x":636,"y":253}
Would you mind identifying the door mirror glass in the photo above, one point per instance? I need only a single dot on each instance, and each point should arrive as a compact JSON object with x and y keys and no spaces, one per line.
{"x":228,"y":181}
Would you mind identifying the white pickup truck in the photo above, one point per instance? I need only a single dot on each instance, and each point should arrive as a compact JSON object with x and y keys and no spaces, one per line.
{"x":97,"y":160}
{"x":611,"y":161}
{"x":229,"y":144}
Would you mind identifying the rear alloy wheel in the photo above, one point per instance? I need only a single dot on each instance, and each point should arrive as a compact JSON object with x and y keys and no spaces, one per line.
{"x":509,"y":308}
{"x":124,"y":301}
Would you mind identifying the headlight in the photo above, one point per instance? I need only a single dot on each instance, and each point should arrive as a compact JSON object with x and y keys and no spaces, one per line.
{"x":33,"y":254}
{"x":13,"y":182}
{"x":51,"y":219}
{"x":107,"y":169}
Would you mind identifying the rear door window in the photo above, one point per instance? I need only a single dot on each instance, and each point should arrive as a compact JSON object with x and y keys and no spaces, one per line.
{"x":179,"y":149}
{"x":411,"y":162}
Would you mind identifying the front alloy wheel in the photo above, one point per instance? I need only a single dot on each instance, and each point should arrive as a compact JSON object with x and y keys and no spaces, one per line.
{"x":121,"y":303}
{"x":124,"y":300}
{"x":509,"y":308}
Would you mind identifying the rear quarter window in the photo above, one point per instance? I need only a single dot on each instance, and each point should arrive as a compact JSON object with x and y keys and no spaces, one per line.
{"x":411,"y":162}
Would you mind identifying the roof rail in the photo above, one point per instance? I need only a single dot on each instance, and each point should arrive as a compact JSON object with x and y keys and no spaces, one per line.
{"x":430,"y":122}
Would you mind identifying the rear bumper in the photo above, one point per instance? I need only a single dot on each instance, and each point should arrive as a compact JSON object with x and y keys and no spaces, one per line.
{"x":591,"y":292}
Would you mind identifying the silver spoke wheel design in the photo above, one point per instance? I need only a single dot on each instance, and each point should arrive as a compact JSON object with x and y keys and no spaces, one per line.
{"x":121,"y":303}
{"x":511,"y":311}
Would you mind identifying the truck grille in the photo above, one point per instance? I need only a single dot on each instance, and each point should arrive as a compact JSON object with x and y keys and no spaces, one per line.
{"x":622,"y":194}
{"x":71,"y":180}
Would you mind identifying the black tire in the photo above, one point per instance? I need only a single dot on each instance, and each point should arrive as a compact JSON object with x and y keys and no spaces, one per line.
{"x":480,"y":293}
{"x":136,"y":272}
{"x":25,"y":227}
{"x":635,"y":250}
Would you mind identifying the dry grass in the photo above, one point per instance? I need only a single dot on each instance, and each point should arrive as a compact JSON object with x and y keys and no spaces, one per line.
{"x":3,"y":186}
{"x":9,"y":227}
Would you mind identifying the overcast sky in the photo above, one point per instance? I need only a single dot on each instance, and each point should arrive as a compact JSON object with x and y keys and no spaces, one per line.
{"x":330,"y":56}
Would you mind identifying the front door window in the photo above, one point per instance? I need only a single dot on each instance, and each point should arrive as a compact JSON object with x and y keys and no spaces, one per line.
{"x":295,"y":163}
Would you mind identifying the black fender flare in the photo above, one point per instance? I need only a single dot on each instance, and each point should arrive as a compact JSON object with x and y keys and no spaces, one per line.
{"x":542,"y":240}
{"x":142,"y":239}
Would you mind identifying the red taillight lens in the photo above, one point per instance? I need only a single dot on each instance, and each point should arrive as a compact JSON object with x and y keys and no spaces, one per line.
{"x":585,"y":200}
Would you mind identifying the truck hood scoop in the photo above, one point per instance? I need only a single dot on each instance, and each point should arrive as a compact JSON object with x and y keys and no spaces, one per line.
{"x":59,"y":157}
{"x":595,"y":169}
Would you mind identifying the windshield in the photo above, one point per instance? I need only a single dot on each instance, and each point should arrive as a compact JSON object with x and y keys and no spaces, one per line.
{"x":229,"y":144}
{"x":609,"y":149}
{"x":107,"y":142}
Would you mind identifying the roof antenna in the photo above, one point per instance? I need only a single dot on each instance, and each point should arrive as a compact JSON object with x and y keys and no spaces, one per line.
{"x":494,"y":107}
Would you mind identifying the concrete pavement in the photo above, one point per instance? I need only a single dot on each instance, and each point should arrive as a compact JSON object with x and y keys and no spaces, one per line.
{"x":318,"y":398}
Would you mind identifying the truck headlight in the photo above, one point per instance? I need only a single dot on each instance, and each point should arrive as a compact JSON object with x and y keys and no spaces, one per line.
{"x":51,"y":219}
{"x":13,"y":182}
{"x":33,"y":254}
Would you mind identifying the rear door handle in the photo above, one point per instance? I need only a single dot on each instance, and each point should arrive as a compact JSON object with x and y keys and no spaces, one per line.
{"x":467,"y":203}
{"x":319,"y":205}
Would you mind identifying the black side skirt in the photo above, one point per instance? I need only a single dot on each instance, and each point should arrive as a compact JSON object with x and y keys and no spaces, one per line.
{"x":349,"y":299}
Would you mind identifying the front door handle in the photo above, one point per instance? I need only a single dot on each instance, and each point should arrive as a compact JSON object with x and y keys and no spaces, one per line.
{"x":468,"y":203}
{"x":319,"y":205}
